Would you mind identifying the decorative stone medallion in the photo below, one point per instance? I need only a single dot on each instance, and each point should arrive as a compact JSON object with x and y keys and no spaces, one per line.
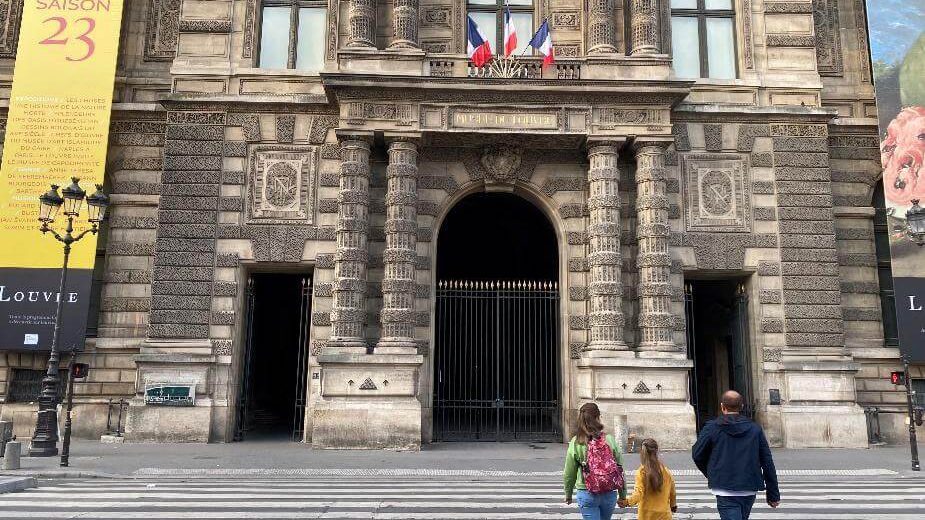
{"x":501,"y":163}
{"x":281,"y":183}
{"x":716,"y":192}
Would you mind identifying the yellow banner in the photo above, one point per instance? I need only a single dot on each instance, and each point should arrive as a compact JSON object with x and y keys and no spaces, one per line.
{"x":58,"y":124}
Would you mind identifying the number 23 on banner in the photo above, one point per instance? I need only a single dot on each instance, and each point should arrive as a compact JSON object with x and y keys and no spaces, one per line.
{"x":80,"y":30}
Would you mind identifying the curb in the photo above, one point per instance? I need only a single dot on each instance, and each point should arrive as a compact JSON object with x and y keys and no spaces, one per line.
{"x":412,"y":472}
{"x":12,"y":484}
{"x":62,"y":474}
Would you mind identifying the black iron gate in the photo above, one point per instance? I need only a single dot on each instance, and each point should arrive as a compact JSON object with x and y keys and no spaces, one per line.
{"x":497,"y":361}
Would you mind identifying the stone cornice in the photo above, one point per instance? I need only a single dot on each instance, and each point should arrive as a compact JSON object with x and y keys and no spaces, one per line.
{"x":492,"y":90}
{"x":753,"y":114}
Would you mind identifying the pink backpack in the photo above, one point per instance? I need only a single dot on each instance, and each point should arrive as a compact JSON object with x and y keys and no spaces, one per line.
{"x":601,"y":472}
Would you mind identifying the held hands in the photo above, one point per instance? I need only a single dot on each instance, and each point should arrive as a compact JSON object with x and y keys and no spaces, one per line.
{"x":774,"y":504}
{"x":568,"y":501}
{"x":674,"y":509}
{"x":622,"y":502}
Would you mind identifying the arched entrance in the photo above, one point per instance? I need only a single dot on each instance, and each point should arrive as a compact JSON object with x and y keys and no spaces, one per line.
{"x":496,"y":361}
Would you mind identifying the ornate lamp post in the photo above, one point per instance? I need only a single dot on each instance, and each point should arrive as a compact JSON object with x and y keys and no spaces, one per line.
{"x":45,"y":438}
{"x":915,"y":223}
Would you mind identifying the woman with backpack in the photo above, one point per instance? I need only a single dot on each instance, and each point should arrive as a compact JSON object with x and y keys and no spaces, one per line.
{"x":593,"y":467}
{"x":654,"y":491}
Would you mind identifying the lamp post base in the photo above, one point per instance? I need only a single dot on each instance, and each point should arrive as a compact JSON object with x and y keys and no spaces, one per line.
{"x":45,"y":438}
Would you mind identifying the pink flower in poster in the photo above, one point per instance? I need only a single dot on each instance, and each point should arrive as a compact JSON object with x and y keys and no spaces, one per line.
{"x":901,"y":154}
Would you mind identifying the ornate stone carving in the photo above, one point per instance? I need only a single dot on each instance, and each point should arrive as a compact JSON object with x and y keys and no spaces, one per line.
{"x":282,"y":185}
{"x":828,"y":37}
{"x":653,"y":260}
{"x":162,"y":30}
{"x":437,"y":16}
{"x":361,"y":20}
{"x":501,"y":163}
{"x":747,"y":29}
{"x":398,"y":289}
{"x":860,"y":20}
{"x":358,"y":112}
{"x":606,"y":280}
{"x":602,"y":32}
{"x":566,"y":20}
{"x":644,"y":23}
{"x":717,"y":192}
{"x":10,"y":20}
{"x":404,"y":25}
{"x":609,"y":118}
{"x":350,"y":261}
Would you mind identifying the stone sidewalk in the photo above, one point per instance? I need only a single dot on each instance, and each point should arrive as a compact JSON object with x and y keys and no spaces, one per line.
{"x":271,"y":457}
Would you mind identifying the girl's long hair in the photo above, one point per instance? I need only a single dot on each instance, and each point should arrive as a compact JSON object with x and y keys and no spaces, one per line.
{"x":651,"y":465}
{"x":589,"y":423}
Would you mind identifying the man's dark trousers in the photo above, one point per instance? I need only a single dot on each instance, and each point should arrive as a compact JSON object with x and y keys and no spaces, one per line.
{"x":734,"y":508}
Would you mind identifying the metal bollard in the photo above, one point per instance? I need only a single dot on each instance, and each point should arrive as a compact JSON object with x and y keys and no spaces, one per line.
{"x":12,"y":456}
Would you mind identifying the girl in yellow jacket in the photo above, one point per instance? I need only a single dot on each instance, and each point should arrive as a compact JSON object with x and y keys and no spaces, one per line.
{"x":654,"y":491}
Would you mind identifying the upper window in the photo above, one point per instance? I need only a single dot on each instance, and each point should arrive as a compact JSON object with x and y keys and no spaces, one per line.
{"x":703,"y":38}
{"x":292,"y":34}
{"x":489,"y":16}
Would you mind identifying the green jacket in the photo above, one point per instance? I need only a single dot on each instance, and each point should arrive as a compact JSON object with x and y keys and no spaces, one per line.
{"x":577,"y":453}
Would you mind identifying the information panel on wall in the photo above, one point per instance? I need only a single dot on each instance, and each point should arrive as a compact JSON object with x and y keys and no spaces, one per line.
{"x":897,"y":44}
{"x":58,"y":128}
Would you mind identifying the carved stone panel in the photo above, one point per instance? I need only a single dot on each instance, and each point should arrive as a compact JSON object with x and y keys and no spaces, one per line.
{"x":10,"y":18}
{"x":281,"y":186}
{"x":717,"y":192}
{"x":162,"y":29}
{"x":828,"y":38}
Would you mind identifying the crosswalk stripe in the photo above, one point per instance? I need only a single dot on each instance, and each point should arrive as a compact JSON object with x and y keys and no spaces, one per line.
{"x":882,"y":498}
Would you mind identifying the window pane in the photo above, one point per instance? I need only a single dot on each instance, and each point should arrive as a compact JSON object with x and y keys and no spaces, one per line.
{"x":685,"y":47}
{"x":486,"y":23}
{"x":310,"y":52}
{"x":483,"y":2}
{"x":684,"y":4}
{"x":718,"y":4}
{"x":523,"y":23}
{"x":521,"y":2}
{"x":721,"y":48}
{"x":274,"y":38}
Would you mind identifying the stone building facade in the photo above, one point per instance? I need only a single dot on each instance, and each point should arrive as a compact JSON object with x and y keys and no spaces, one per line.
{"x":340,"y":163}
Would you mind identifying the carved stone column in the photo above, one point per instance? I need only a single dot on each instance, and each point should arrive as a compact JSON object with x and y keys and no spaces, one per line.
{"x":653,"y":260}
{"x":401,"y":226}
{"x":361,"y":18}
{"x":644,"y":24}
{"x":606,"y":285}
{"x":405,"y":25}
{"x":349,"y":309}
{"x":602,"y":31}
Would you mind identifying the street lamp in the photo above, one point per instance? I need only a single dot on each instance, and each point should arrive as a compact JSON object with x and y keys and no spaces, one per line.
{"x":915,"y":223}
{"x":45,"y":438}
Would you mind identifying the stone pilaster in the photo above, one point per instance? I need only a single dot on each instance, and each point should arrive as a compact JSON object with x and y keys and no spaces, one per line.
{"x":602,"y":31}
{"x":361,"y":19}
{"x":653,"y":260}
{"x":405,"y":25}
{"x":644,"y":26}
{"x":350,"y":261}
{"x":606,"y":285}
{"x":400,"y":249}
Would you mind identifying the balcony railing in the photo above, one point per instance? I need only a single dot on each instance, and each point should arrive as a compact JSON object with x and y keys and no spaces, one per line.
{"x":521,"y":68}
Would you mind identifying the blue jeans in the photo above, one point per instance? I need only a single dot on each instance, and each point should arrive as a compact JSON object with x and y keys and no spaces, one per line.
{"x":735,"y":508}
{"x":596,"y":507}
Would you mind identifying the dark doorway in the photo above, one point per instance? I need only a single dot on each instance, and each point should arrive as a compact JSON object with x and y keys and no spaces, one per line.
{"x":271,"y":401}
{"x":497,"y":323}
{"x":717,"y":338}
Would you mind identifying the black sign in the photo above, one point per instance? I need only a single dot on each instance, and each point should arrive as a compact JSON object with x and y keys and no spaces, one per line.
{"x":910,"y":314}
{"x":28,"y":303}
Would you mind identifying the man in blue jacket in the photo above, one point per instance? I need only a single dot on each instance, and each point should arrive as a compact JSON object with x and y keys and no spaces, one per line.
{"x":734,"y":455}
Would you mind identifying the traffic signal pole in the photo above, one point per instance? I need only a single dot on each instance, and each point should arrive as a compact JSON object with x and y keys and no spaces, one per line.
{"x":913,"y":443}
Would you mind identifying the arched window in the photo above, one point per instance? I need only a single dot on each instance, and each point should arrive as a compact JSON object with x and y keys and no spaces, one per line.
{"x":703,"y":38}
{"x":292,"y":34}
{"x":489,"y":16}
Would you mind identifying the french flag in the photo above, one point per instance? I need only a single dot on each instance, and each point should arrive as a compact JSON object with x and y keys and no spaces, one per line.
{"x":542,"y":41}
{"x":478,"y":47}
{"x":510,"y":33}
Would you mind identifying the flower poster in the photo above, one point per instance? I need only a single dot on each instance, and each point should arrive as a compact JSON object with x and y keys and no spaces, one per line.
{"x":897,"y":43}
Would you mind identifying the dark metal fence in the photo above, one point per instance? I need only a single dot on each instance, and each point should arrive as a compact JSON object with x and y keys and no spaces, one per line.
{"x":497,"y":361}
